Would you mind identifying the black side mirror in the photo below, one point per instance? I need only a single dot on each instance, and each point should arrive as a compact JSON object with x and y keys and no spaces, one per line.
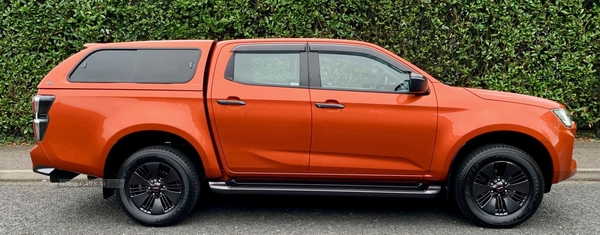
{"x":418,"y":84}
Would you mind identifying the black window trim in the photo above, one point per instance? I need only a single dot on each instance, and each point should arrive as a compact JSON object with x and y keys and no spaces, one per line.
{"x":132,"y":49}
{"x":315,"y":69}
{"x":358,"y":50}
{"x":271,"y":48}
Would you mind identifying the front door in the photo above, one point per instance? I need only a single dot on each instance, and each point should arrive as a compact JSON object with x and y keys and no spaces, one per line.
{"x":261,"y":109}
{"x":361,"y":124}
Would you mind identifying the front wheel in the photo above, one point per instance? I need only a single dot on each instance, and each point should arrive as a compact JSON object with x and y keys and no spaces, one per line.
{"x":498,"y":186}
{"x":160,"y":186}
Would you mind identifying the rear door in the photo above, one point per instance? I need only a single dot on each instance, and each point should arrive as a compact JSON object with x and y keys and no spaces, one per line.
{"x":261,"y":107}
{"x":362,"y":124}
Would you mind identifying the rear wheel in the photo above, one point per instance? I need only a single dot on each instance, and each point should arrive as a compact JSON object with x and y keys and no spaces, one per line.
{"x":160,"y":186}
{"x":498,"y":186}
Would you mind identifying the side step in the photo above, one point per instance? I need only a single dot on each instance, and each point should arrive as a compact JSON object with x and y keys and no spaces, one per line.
{"x":321,"y":188}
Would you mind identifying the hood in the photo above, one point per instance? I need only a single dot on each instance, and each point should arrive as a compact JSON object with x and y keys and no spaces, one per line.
{"x":514,"y":98}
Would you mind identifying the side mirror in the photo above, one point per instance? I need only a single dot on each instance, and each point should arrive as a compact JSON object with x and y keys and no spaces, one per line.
{"x":418,"y":84}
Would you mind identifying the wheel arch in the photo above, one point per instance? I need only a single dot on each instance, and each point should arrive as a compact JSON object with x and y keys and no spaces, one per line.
{"x":531,"y":145}
{"x":129,"y":140}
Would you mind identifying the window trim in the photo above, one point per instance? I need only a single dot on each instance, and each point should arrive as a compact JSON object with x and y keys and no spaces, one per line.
{"x":359,"y":50}
{"x":271,"y":47}
{"x":314,"y":62}
{"x":359,"y":90}
{"x":135,"y":49}
{"x":259,"y":49}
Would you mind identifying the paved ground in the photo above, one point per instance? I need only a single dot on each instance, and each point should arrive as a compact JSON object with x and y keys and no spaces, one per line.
{"x":16,"y":164}
{"x":15,"y":158}
{"x":587,"y":154}
{"x":43,"y":208}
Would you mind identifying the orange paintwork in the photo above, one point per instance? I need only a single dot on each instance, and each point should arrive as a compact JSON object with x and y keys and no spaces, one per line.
{"x":270,"y":134}
{"x":373,"y":134}
{"x":89,"y":118}
{"x":280,"y":133}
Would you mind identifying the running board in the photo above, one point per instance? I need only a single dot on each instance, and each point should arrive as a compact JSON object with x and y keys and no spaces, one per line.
{"x":337,"y":189}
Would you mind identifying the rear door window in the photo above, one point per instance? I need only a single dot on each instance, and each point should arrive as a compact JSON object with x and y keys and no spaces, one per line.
{"x":269,"y":69}
{"x":138,"y":66}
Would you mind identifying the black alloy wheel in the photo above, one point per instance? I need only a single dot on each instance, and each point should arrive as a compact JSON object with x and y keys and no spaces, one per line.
{"x":155,"y":188}
{"x":498,"y":186}
{"x":501,"y":188}
{"x":160,"y":186}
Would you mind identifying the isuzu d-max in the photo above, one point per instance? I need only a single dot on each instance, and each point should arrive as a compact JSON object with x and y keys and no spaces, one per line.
{"x":159,"y":121}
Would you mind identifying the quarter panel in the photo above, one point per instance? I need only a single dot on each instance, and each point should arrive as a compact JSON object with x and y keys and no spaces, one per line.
{"x":85,"y":124}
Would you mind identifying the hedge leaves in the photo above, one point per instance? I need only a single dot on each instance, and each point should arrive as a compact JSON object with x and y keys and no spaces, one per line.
{"x":545,"y":48}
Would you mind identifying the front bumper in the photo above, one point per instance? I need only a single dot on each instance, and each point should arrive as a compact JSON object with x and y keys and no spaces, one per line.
{"x":564,"y":165}
{"x":568,"y":173}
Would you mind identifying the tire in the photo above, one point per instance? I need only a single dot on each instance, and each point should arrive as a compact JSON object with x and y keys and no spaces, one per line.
{"x":509,"y":174}
{"x":159,"y":186}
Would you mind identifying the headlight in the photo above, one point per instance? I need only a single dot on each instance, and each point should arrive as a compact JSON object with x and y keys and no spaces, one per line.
{"x":564,"y":116}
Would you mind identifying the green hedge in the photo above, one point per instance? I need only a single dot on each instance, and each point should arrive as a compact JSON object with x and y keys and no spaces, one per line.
{"x":545,"y":48}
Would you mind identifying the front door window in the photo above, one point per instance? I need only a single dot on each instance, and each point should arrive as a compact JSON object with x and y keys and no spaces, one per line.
{"x":357,"y":72}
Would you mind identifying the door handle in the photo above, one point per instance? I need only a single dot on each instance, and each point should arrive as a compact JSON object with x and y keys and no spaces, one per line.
{"x":231,"y":102}
{"x":329,"y":106}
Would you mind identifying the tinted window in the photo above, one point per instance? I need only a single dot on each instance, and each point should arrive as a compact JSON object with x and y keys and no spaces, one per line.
{"x":106,"y":66}
{"x":358,"y":72}
{"x":279,"y":69}
{"x":142,"y":66}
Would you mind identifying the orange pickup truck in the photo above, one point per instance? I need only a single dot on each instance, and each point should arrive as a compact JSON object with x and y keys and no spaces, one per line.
{"x":159,"y":121}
